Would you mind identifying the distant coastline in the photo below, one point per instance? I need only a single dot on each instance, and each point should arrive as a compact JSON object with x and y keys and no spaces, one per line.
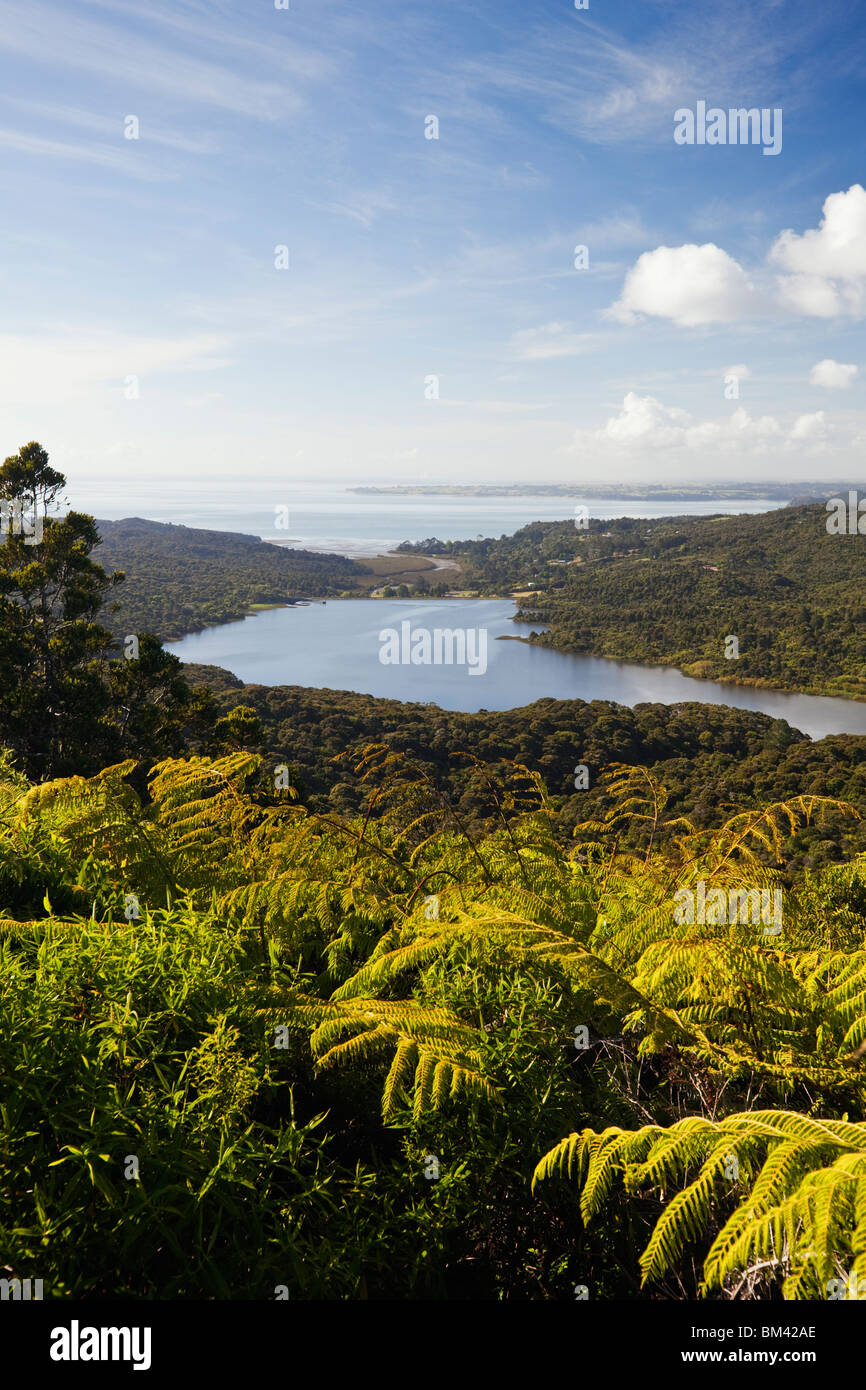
{"x":794,"y":492}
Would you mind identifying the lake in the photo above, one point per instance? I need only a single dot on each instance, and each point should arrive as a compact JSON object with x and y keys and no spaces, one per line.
{"x":337,"y":646}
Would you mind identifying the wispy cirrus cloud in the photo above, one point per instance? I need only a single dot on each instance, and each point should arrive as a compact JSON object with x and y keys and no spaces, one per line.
{"x":119,"y":160}
{"x":511,"y":407}
{"x":215,"y":21}
{"x":362,"y":206}
{"x":606,"y":87}
{"x":550,"y":340}
{"x":34,"y":29}
{"x":64,"y":362}
{"x":110,"y":127}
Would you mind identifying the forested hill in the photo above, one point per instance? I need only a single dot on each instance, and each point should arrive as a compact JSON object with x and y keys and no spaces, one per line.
{"x":673,"y":590}
{"x":179,"y":579}
{"x":709,"y":757}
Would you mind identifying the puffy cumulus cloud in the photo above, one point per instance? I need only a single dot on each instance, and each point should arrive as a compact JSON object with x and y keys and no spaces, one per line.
{"x":645,"y":424}
{"x":692,"y":285}
{"x":740,"y":426}
{"x":645,"y":420}
{"x":810,"y":426}
{"x":827,"y":265}
{"x":739,"y":370}
{"x":835,"y":376}
{"x":808,"y":296}
{"x":819,"y":273}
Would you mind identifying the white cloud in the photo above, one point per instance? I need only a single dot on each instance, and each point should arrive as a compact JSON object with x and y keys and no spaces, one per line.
{"x":827,"y":264}
{"x":691,"y":284}
{"x":810,"y":426}
{"x":740,"y":371}
{"x":645,"y":425}
{"x":808,"y":295}
{"x":645,"y":420}
{"x":835,"y":376}
{"x":824,"y":275}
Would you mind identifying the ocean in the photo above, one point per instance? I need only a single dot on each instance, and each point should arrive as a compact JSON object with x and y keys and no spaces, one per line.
{"x":328,"y":517}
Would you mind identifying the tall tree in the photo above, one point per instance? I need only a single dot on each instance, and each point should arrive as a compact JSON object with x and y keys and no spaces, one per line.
{"x":70,"y":700}
{"x":54,"y":701}
{"x":28,"y":476}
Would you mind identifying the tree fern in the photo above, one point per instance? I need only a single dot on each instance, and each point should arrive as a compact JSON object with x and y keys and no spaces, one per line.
{"x":435,"y":1056}
{"x":797,"y":1187}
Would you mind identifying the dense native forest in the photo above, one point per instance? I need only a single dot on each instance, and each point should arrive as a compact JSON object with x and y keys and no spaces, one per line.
{"x":709,"y":757}
{"x":450,"y":1036}
{"x":179,"y":579}
{"x":672,"y":591}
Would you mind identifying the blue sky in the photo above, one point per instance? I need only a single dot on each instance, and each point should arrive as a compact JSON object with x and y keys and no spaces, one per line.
{"x":153,"y":259}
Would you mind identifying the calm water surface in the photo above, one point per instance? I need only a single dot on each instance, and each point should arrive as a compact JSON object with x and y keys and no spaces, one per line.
{"x":328,"y":517}
{"x":336,"y":646}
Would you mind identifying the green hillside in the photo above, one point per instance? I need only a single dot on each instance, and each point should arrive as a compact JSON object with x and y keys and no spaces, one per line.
{"x":709,"y":757}
{"x":672,"y":591}
{"x":180,"y":579}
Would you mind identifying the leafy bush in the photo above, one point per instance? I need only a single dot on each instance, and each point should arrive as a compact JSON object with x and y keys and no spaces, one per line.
{"x":297,"y":1050}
